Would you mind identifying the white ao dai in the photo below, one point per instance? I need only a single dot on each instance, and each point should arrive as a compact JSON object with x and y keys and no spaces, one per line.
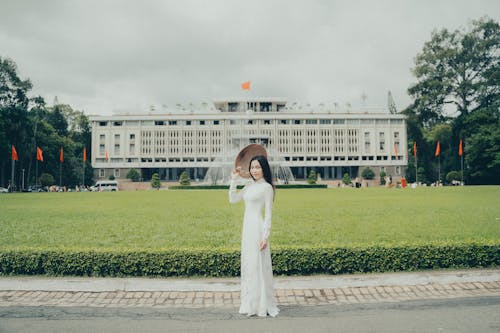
{"x":257,"y":290}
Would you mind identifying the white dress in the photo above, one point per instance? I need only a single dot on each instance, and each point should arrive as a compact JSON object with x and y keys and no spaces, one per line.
{"x":257,"y":290}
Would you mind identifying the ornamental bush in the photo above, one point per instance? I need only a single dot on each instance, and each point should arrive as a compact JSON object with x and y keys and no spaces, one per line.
{"x":133,"y":175}
{"x":368,"y":173}
{"x":226,"y":262}
{"x":382,"y":177}
{"x":346,"y":179}
{"x":226,"y":187}
{"x":453,"y":175}
{"x":184,"y":179}
{"x":46,"y":179}
{"x":312,"y":178}
{"x":155,"y":181}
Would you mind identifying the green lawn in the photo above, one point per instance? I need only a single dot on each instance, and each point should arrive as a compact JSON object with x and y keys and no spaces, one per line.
{"x":201,"y":219}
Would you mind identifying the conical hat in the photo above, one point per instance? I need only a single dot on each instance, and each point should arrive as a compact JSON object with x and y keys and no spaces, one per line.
{"x":245,"y":156}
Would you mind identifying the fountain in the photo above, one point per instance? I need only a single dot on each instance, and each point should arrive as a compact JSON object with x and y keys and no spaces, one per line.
{"x":220,"y":171}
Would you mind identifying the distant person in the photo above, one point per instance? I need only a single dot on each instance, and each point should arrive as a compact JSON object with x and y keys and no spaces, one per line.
{"x":387,"y":181}
{"x":257,"y":291}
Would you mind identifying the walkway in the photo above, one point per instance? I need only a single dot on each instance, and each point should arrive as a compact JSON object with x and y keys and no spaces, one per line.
{"x":211,"y":292}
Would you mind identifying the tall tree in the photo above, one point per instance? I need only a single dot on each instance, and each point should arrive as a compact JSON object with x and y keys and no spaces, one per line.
{"x":56,"y":118}
{"x":458,"y":84}
{"x":457,"y":72}
{"x":27,"y":123}
{"x":13,"y":114}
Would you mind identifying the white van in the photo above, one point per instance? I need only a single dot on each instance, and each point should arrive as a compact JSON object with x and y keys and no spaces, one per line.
{"x":105,"y":185}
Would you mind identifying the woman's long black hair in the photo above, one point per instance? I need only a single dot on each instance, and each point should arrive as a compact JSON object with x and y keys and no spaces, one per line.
{"x":266,"y":169}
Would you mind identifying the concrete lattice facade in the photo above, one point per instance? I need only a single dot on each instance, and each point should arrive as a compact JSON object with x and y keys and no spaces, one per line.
{"x":169,"y":142}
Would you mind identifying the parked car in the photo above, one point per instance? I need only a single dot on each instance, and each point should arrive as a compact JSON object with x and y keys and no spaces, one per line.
{"x":38,"y":188}
{"x":105,"y":185}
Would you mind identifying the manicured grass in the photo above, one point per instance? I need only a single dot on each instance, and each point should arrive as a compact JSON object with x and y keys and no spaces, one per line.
{"x":205,"y":219}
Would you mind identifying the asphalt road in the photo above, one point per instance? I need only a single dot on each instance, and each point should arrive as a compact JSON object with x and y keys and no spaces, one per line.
{"x":479,"y":314}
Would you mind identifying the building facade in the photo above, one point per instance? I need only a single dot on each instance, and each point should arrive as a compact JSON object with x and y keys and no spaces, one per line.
{"x":170,"y":142}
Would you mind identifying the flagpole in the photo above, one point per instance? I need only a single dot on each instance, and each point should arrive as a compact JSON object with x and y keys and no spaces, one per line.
{"x":439,"y":169}
{"x":462,"y":166}
{"x":83,"y":176}
{"x":416,"y":169}
{"x":60,"y":174}
{"x":12,"y":176}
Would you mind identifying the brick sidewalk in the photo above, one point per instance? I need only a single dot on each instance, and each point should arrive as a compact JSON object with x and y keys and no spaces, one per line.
{"x":230,"y":299}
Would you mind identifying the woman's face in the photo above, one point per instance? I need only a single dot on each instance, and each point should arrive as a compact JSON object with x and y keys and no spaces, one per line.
{"x":256,"y":170}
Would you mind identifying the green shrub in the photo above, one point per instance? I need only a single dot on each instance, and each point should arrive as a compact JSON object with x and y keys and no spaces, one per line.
{"x":46,"y":179}
{"x":155,"y":181}
{"x":111,"y":177}
{"x":382,"y":177}
{"x":453,"y":175}
{"x":226,"y":187}
{"x":346,"y":179}
{"x":226,"y":262}
{"x":368,"y":173}
{"x":133,"y":175}
{"x":184,"y":179}
{"x":292,"y":186}
{"x":312,"y":178}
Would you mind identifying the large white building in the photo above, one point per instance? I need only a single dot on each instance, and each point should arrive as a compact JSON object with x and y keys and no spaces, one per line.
{"x":169,"y":142}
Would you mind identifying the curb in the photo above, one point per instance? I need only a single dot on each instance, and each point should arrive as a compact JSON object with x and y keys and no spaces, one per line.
{"x":93,"y":284}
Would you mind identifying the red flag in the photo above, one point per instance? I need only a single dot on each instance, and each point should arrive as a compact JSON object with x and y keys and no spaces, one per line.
{"x":415,"y":148}
{"x":245,"y":85}
{"x":395,"y":150}
{"x":39,"y":154}
{"x":106,"y":156}
{"x":61,"y":155}
{"x":438,"y":149}
{"x":460,"y":149}
{"x":14,"y":154}
{"x":84,"y":154}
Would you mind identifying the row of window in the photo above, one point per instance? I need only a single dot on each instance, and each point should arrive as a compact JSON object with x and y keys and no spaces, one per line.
{"x":309,"y":133}
{"x":255,"y":121}
{"x":286,"y":158}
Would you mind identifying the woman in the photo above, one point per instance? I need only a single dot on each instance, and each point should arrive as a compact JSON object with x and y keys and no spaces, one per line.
{"x":257,"y":292}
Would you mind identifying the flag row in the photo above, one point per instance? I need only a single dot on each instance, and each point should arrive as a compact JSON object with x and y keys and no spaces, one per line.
{"x":437,"y":152}
{"x":39,"y":154}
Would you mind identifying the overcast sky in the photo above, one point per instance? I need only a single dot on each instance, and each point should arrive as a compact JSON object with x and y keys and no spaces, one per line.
{"x":103,"y":56}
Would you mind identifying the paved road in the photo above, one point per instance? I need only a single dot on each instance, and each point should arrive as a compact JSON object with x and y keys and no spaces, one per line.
{"x":474,"y":314}
{"x":432,"y":301}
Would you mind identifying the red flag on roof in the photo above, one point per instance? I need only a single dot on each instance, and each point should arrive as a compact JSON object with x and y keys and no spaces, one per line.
{"x":245,"y":85}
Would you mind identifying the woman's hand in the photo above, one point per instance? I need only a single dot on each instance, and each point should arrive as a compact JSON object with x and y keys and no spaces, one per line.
{"x":236,"y":173}
{"x":263,"y":244}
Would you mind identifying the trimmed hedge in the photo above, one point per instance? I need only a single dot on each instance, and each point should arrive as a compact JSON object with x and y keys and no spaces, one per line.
{"x":302,"y":186}
{"x":226,"y":187}
{"x":226,"y":262}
